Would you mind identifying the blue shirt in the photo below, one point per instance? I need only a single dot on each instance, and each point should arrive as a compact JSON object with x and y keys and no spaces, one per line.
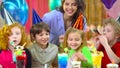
{"x":56,"y":23}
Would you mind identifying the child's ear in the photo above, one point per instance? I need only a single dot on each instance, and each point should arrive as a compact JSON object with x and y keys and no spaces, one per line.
{"x":117,"y":36}
{"x":32,"y":37}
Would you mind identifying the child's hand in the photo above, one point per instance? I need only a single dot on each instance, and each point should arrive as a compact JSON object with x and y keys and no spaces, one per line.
{"x":1,"y":66}
{"x":61,"y":38}
{"x":103,"y":40}
{"x":80,"y":56}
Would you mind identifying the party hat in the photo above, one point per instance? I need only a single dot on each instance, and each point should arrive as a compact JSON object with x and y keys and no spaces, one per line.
{"x":35,"y":17}
{"x":1,"y":21}
{"x":8,"y":19}
{"x":118,"y":19}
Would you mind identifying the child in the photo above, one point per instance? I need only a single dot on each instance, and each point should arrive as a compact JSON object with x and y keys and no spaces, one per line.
{"x":109,"y":43}
{"x":75,"y":40}
{"x":43,"y":53}
{"x":11,"y":36}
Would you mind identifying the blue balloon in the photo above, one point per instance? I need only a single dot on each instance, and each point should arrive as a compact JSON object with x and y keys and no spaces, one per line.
{"x":18,"y":9}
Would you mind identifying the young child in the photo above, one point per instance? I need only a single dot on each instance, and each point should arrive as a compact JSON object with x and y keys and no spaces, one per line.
{"x":44,"y":54}
{"x":109,"y":43}
{"x":75,"y":41}
{"x":10,"y":37}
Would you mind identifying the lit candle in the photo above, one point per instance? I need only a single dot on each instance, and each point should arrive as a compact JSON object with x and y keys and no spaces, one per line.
{"x":62,"y":60}
{"x":111,"y":65}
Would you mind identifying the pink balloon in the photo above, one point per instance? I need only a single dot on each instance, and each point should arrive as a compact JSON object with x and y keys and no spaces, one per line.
{"x":114,"y":11}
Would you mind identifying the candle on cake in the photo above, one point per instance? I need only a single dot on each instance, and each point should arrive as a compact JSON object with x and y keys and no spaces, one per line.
{"x":112,"y":65}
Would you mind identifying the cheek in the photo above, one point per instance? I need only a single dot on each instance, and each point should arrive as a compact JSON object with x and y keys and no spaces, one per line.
{"x":68,"y":43}
{"x":79,"y":43}
{"x":75,"y":8}
{"x":64,"y":8}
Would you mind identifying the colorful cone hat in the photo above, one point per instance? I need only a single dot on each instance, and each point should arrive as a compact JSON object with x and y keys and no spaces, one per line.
{"x":1,"y":21}
{"x":118,"y":19}
{"x":35,"y":17}
{"x":8,"y":18}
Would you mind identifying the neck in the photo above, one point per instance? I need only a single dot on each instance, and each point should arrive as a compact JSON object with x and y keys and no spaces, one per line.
{"x":43,"y":46}
{"x":67,"y":18}
{"x":11,"y":48}
{"x":111,"y":43}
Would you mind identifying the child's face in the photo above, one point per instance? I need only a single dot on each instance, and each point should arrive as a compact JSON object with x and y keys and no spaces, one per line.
{"x":42,"y":38}
{"x":109,"y":32}
{"x":74,"y":40}
{"x":15,"y":36}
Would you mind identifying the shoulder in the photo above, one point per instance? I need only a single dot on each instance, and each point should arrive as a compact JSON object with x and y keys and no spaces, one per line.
{"x":30,"y":47}
{"x":116,"y":46}
{"x":0,"y":51}
{"x":86,"y":50}
{"x":53,"y":46}
{"x":52,"y":14}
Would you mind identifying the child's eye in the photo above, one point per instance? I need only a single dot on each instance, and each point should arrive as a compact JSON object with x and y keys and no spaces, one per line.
{"x":70,"y":39}
{"x":40,"y":34}
{"x":17,"y":33}
{"x":77,"y":39}
{"x":47,"y":33}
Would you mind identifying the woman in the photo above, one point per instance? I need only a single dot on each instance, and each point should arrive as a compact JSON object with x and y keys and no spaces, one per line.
{"x":70,"y":14}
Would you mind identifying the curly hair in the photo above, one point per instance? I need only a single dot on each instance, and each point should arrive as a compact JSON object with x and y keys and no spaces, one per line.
{"x":5,"y":32}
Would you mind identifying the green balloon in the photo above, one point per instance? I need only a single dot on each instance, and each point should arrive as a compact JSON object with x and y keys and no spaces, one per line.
{"x":53,"y":4}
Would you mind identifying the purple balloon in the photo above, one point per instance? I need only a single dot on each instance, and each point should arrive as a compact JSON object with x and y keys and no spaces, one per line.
{"x":18,"y":9}
{"x":108,"y":3}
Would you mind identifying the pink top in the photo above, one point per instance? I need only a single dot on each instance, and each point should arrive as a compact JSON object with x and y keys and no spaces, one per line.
{"x":6,"y":59}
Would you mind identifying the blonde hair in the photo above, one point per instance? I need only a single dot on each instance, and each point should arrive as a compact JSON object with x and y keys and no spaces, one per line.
{"x":5,"y":32}
{"x":73,"y":30}
{"x":115,"y":24}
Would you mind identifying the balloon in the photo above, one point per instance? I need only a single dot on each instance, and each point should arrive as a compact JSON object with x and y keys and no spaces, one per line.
{"x":108,"y":3}
{"x":54,"y":4}
{"x":18,"y":9}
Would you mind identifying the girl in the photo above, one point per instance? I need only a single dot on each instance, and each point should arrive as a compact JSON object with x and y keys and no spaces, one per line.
{"x":109,"y":42}
{"x":11,"y":36}
{"x":66,"y":16}
{"x":44,"y":54}
{"x":75,"y":41}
